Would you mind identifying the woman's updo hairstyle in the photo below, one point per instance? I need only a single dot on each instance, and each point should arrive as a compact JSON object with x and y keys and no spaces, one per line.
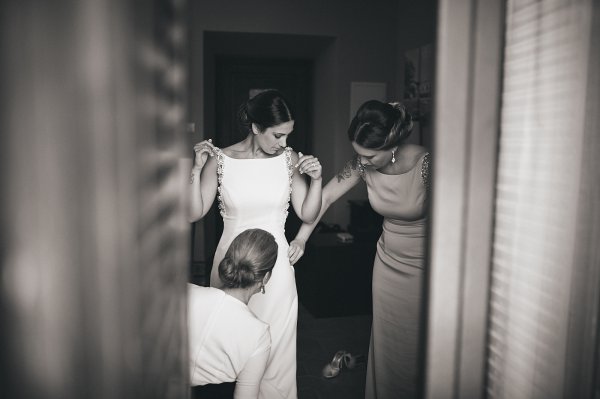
{"x":380,"y":126}
{"x":266,"y":109}
{"x":251,"y":255}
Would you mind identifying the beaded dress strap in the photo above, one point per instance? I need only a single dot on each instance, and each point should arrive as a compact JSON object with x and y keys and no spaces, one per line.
{"x":425,"y":170}
{"x":220,"y":167}
{"x":290,"y":167}
{"x":356,"y":164}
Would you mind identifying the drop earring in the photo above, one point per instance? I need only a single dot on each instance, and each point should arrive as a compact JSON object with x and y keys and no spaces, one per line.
{"x":262,"y":289}
{"x":393,"y":157}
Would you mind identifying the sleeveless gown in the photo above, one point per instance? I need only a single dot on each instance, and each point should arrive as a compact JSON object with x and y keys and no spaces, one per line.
{"x":255,"y":193}
{"x":397,"y":279}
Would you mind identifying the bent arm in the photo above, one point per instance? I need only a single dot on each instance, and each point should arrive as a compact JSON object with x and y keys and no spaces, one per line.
{"x":203,"y":189}
{"x":339,"y":185}
{"x":306,"y":198}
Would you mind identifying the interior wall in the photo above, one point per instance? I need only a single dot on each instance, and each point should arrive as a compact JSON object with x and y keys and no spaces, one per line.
{"x":416,"y":27}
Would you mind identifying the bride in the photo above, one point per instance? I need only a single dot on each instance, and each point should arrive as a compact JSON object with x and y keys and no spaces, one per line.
{"x":254,"y":180}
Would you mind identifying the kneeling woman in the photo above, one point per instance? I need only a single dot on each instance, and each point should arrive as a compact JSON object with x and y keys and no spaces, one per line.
{"x":227,"y":342}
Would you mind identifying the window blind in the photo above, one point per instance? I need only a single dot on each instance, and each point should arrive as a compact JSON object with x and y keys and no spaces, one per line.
{"x":538,"y":192}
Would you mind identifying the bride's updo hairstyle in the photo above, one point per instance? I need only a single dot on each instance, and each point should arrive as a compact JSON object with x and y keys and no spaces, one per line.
{"x":251,"y":255}
{"x":380,"y":126}
{"x":266,"y":109}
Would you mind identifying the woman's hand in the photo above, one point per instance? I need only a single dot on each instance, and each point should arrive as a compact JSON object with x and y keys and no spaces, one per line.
{"x":296,"y":250}
{"x":203,"y":150}
{"x":309,"y":165}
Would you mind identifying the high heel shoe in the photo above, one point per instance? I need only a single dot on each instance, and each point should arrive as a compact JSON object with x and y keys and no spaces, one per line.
{"x":340,"y":360}
{"x":351,"y":361}
{"x":333,"y":368}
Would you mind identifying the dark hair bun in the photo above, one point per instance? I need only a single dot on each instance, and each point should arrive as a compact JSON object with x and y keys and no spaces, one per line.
{"x":266,"y":109}
{"x":380,"y":126}
{"x":403,"y":125}
{"x":244,"y":119}
{"x":251,"y":255}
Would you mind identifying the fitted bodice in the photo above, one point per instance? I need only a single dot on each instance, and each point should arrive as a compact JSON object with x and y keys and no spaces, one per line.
{"x":254,"y":193}
{"x":399,"y":197}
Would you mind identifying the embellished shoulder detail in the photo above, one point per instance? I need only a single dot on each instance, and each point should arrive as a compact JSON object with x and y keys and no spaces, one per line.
{"x":425,"y":176}
{"x":220,"y":165}
{"x":359,"y":166}
{"x":290,"y":167}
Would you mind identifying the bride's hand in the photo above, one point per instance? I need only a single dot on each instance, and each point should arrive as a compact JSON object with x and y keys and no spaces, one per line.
{"x":203,"y":150}
{"x":296,"y":250}
{"x":309,"y":165}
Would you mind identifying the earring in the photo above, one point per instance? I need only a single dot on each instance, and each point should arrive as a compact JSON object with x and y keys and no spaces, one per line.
{"x":393,"y":157}
{"x":262,"y":289}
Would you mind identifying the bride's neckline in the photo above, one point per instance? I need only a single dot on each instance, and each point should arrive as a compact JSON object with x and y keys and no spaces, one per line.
{"x":253,"y":159}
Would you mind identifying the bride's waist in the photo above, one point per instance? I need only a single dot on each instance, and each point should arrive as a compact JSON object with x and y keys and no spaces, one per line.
{"x":236,"y":226}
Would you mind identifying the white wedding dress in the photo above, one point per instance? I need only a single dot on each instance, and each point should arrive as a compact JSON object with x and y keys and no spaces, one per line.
{"x":255,"y":193}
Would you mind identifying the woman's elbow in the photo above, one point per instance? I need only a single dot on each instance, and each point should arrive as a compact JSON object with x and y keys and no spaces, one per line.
{"x":309,"y":220}
{"x":312,"y":217}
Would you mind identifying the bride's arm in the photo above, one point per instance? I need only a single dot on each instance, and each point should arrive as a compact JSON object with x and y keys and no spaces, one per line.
{"x":203,"y":182}
{"x":306,"y":198}
{"x":339,"y":185}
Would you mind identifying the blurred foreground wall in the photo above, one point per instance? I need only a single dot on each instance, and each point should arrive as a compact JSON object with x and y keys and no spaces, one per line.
{"x":93,"y":242}
{"x":545,"y":282}
{"x":514,"y":262}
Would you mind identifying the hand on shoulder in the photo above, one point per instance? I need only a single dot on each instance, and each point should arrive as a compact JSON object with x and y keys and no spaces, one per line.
{"x":202,"y":152}
{"x":307,"y":164}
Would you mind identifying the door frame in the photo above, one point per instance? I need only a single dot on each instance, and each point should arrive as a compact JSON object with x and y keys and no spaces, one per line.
{"x":470,"y":43}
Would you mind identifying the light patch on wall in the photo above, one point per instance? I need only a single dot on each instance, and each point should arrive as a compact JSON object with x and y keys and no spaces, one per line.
{"x":361,"y":92}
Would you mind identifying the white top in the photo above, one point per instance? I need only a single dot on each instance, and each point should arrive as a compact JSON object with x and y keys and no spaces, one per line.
{"x":227,"y":342}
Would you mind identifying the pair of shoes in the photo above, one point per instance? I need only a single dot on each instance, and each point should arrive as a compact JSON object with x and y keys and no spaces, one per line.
{"x":333,"y":368}
{"x":340,"y":360}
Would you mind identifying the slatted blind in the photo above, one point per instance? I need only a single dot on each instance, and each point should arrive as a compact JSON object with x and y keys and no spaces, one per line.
{"x":539,"y":184}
